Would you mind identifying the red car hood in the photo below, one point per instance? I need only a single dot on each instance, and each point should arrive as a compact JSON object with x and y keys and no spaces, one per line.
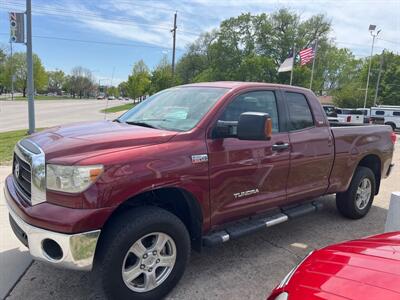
{"x":93,"y":138}
{"x":360,"y":269}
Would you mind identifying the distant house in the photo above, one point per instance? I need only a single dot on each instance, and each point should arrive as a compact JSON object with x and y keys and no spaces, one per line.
{"x":325,"y":99}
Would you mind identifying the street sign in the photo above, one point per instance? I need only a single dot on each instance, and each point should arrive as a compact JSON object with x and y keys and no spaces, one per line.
{"x":17,"y":27}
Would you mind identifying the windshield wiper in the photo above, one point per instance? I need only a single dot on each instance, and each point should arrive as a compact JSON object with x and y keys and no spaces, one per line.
{"x":143,"y":124}
{"x":145,"y":120}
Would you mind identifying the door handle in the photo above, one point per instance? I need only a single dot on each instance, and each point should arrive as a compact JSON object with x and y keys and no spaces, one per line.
{"x":280,"y":146}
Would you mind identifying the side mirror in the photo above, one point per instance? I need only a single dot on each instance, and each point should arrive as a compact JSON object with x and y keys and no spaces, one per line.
{"x":254,"y":126}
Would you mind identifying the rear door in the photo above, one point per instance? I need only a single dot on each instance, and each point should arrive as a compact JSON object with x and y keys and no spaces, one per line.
{"x":312,"y":150}
{"x":248,"y":177}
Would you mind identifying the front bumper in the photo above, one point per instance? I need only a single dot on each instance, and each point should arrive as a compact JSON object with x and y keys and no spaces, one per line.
{"x":74,"y":251}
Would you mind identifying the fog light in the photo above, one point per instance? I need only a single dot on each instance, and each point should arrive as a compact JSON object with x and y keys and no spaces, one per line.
{"x":52,"y":249}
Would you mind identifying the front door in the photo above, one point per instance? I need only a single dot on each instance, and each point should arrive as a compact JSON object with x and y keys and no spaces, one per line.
{"x":248,"y":177}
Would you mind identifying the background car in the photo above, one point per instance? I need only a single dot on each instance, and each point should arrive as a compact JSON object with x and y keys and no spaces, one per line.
{"x":365,"y":269}
{"x":351,"y":115}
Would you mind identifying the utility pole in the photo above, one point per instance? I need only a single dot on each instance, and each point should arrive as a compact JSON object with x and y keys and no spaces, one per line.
{"x":374,"y":35}
{"x":29,"y":61}
{"x":313,"y":63}
{"x":379,"y":76}
{"x":294,"y":57}
{"x":12,"y":71}
{"x":173,"y":45}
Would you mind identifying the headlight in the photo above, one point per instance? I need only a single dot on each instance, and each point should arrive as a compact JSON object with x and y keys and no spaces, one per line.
{"x":282,"y":296}
{"x":71,"y":179}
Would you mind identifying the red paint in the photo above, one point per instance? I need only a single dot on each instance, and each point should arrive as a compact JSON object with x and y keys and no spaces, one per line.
{"x":367,"y":269}
{"x":137,"y":159}
{"x":393,"y":136}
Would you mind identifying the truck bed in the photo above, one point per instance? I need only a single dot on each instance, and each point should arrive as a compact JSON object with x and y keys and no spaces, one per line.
{"x":352,"y":142}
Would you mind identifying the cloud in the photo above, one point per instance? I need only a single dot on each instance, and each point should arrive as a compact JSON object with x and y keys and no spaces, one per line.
{"x":150,"y":21}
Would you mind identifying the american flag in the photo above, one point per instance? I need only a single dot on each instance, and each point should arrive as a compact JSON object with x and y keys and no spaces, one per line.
{"x":306,"y":55}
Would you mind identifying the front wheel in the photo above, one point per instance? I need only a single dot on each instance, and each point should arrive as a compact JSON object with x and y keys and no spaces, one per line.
{"x":356,"y":202}
{"x":143,"y":254}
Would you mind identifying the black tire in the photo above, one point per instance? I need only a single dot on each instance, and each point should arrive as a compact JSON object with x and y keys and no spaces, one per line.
{"x":392,"y":125}
{"x":122,"y":233}
{"x":346,"y":201}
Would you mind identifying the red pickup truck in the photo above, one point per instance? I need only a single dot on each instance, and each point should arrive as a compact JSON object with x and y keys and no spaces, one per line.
{"x":191,"y":166}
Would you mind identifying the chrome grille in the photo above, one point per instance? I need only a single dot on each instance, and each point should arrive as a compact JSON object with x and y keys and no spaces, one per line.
{"x":29,"y":172}
{"x":22,"y":177}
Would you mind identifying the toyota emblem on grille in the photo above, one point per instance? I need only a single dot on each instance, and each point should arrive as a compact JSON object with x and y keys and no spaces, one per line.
{"x":16,"y":170}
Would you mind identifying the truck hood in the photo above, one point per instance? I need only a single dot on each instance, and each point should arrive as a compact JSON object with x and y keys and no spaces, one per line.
{"x":94,"y":138}
{"x":360,"y":269}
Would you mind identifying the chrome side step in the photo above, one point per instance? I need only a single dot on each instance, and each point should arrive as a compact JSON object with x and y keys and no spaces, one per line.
{"x":250,"y":226}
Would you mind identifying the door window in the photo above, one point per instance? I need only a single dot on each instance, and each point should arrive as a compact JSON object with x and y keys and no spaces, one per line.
{"x":300,"y":116}
{"x":260,"y":101}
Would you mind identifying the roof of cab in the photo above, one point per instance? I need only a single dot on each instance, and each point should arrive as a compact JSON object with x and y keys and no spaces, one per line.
{"x":242,"y":84}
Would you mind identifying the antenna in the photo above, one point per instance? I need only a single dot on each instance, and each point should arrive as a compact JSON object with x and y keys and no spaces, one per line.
{"x":111,"y":84}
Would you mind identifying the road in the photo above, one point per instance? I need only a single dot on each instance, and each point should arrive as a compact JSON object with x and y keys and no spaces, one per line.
{"x":14,"y":114}
{"x":243,"y":269}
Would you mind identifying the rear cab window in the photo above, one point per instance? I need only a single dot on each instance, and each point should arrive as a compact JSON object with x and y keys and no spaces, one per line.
{"x":300,"y":116}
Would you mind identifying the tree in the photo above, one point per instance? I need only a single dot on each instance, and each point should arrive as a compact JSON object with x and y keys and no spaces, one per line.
{"x":56,"y":81}
{"x":139,"y":81}
{"x":251,"y":47}
{"x":81,"y":83}
{"x":3,"y":78}
{"x":19,"y":67}
{"x":123,"y":88}
{"x":113,"y":91}
{"x":161,"y":77}
{"x":391,"y":85}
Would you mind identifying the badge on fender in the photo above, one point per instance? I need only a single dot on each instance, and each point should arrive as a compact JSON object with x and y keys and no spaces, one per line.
{"x":199,"y":158}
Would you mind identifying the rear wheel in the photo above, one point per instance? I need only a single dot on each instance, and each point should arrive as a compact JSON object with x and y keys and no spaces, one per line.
{"x":392,"y":125}
{"x":143,"y":254}
{"x":356,"y":202}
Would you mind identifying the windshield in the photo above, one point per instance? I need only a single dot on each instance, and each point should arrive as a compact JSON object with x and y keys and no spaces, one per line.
{"x":177,"y":109}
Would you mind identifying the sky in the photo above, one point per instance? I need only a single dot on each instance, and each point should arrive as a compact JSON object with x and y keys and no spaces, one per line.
{"x":108,"y":36}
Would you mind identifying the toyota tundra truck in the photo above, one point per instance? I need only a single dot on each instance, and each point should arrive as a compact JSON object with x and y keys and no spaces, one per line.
{"x":192,"y":166}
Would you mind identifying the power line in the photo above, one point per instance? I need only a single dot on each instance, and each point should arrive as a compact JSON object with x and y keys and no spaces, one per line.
{"x":167,"y":9}
{"x":393,"y":42}
{"x":96,"y":42}
{"x":62,"y":12}
{"x":69,"y":13}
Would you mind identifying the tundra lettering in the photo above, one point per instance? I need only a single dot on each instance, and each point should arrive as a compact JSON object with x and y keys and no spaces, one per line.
{"x":246,"y":193}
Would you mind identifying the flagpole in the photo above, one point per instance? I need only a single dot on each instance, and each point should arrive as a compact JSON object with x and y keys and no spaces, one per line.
{"x":313,"y":63}
{"x":294,"y":56}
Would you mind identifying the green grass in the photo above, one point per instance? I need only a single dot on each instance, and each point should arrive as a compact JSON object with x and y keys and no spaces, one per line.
{"x":118,"y":108}
{"x":8,"y":140}
{"x":42,"y":97}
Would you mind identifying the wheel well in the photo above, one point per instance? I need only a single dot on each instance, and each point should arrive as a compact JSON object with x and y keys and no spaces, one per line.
{"x":175,"y":200}
{"x":373,"y":162}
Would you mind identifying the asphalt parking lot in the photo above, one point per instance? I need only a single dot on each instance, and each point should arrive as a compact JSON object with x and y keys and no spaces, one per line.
{"x":243,"y":269}
{"x":14,"y":114}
